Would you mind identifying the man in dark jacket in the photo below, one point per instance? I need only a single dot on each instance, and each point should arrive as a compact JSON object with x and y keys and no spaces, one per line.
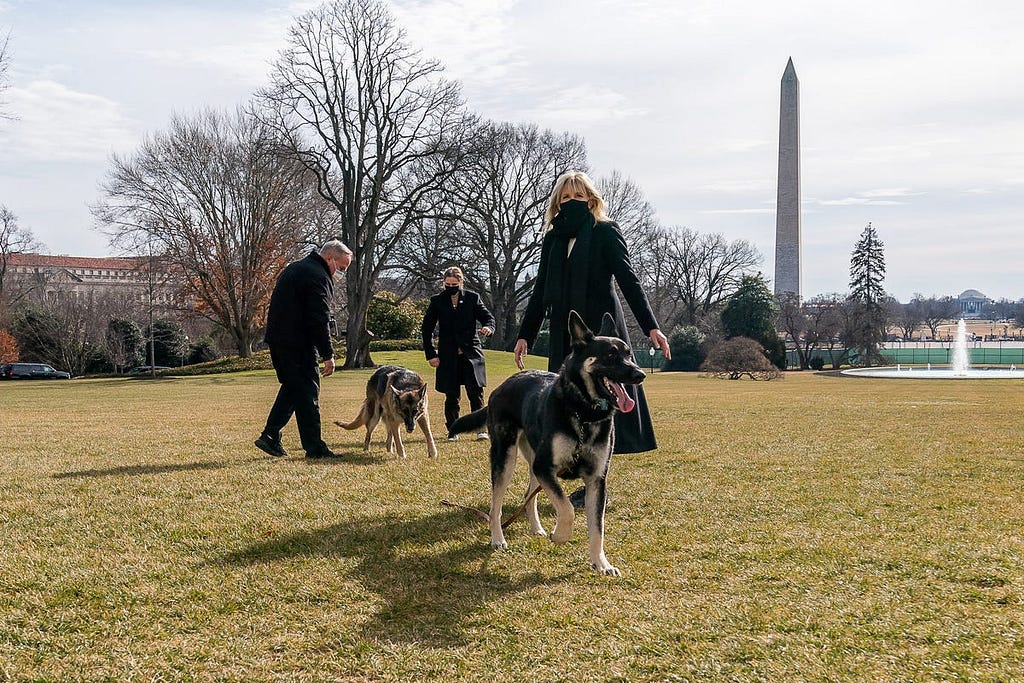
{"x":297,"y":333}
{"x":459,"y":356}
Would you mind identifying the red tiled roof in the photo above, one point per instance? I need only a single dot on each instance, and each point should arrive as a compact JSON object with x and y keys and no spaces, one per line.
{"x":101,"y":263}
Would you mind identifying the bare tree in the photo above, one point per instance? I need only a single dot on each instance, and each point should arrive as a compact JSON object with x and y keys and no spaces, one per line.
{"x":13,"y":240}
{"x":66,"y":330}
{"x":792,"y":320}
{"x":376,"y":125}
{"x":495,"y":208}
{"x":690,"y":274}
{"x":213,"y":199}
{"x":936,"y":310}
{"x":905,"y":317}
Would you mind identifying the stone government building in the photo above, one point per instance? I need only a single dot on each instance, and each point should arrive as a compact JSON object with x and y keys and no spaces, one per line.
{"x":45,"y":278}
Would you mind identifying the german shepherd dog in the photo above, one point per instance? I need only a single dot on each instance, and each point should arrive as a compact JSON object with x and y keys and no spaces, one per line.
{"x":562,"y":425}
{"x":399,"y":397}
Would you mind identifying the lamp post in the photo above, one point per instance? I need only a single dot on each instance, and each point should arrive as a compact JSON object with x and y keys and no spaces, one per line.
{"x":651,"y":352}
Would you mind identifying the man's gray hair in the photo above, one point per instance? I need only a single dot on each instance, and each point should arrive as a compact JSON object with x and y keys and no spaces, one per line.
{"x":334,"y":247}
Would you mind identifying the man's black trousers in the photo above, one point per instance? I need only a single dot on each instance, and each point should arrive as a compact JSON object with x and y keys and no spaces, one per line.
{"x":299,"y":374}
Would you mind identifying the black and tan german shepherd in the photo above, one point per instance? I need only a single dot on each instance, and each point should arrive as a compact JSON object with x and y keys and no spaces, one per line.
{"x":562,"y":424}
{"x":399,"y":397}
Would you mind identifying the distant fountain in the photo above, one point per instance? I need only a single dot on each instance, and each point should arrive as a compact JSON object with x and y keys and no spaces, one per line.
{"x":961,"y":362}
{"x":959,"y":367}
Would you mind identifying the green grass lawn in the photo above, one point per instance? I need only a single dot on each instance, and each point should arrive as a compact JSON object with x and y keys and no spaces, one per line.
{"x":815,"y":528}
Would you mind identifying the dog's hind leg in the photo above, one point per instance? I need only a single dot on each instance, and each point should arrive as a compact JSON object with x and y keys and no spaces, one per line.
{"x":371,"y":424}
{"x":536,"y":528}
{"x":424,"y":423}
{"x":503,"y":464}
{"x":595,"y":501}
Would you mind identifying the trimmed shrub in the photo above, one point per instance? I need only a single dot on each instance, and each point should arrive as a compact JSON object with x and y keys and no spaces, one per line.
{"x":739,"y":356}
{"x":688,"y":351}
{"x":389,"y":318}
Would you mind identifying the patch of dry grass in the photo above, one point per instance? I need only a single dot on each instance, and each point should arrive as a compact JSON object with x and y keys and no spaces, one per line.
{"x":817,"y":528}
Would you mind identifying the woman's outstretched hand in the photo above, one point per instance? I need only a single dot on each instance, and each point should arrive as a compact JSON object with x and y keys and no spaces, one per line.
{"x":520,"y":351}
{"x":660,"y":341}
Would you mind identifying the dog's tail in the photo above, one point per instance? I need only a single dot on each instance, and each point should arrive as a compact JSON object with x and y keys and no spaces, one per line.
{"x":361,"y":419}
{"x":473,"y":422}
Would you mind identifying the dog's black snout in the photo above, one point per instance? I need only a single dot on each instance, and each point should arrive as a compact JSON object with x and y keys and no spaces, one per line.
{"x":638,"y":376}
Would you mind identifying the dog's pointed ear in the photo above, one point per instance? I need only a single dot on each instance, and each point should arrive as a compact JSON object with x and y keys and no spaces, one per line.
{"x":395,"y":389}
{"x":608,"y":326}
{"x":578,"y":329}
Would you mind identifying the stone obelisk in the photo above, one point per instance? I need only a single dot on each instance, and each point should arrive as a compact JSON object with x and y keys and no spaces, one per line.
{"x":787,"y":209}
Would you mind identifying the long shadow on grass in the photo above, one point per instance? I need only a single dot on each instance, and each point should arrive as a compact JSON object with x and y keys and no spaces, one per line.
{"x":135,"y":470}
{"x":430,"y":576}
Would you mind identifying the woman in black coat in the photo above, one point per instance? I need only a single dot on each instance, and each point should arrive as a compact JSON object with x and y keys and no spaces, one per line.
{"x":582,"y":252}
{"x":459,"y":356}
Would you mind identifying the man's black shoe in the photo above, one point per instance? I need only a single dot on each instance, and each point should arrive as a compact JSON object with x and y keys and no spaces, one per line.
{"x":270,"y":446}
{"x":325,"y":453}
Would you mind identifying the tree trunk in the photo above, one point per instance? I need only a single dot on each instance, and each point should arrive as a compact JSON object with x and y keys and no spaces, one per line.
{"x":357,"y":340}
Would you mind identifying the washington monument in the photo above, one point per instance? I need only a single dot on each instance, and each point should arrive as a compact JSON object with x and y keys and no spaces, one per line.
{"x":787,"y":208}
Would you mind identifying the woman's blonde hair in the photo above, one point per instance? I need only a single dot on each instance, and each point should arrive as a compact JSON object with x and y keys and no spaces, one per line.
{"x":576,"y":180}
{"x":454,"y":272}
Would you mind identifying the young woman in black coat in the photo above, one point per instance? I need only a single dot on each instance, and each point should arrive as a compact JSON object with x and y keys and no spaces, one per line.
{"x":459,"y":357}
{"x":583,"y":250}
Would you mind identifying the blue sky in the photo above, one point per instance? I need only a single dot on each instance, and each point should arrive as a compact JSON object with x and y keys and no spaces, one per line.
{"x":912,"y":116}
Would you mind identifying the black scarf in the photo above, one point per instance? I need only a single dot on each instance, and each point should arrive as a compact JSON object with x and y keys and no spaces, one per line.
{"x":573,"y":218}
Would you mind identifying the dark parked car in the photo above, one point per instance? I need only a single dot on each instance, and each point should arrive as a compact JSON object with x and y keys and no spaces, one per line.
{"x":31,"y":371}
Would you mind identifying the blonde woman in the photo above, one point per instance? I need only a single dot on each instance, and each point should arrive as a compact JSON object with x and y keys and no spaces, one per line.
{"x":582,"y":252}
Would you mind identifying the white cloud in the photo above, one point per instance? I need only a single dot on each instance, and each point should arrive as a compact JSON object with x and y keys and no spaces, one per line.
{"x":56,"y":123}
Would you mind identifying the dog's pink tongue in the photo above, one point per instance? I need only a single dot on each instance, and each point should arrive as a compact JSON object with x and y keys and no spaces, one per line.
{"x":622,"y":399}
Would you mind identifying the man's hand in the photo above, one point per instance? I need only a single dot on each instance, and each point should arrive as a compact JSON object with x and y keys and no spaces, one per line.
{"x":660,"y":341}
{"x":520,"y":351}
{"x":434,"y":362}
{"x":328,"y":368}
{"x":486,"y":331}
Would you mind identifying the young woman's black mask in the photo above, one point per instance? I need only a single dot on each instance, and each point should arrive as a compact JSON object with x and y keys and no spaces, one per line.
{"x":451,"y":291}
{"x":572,"y":215}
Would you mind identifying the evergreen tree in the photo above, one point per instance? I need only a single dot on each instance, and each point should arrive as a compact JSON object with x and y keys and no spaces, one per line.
{"x":750,"y":312}
{"x":867,"y":324}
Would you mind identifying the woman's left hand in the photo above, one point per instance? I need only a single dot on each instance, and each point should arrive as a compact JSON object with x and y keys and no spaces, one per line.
{"x":486,"y":331}
{"x":660,"y":341}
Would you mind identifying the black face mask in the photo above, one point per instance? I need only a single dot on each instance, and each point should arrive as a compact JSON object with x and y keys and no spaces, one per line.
{"x":574,"y":210}
{"x":452,"y":291}
{"x":571,"y":217}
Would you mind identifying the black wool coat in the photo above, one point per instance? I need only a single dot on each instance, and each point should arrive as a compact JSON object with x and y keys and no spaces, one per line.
{"x":456,"y":331}
{"x":598,"y":255}
{"x":298,"y":320}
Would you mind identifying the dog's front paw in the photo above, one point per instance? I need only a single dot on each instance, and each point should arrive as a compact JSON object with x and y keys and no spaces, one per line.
{"x":499,"y":545}
{"x":607,"y":570}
